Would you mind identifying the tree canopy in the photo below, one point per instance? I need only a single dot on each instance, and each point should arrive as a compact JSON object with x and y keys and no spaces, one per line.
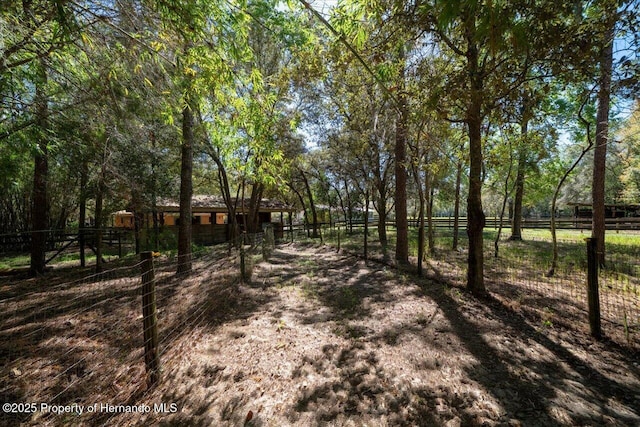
{"x":109,"y":105}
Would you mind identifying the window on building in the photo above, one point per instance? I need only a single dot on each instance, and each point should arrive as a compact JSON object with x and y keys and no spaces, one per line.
{"x":221,"y":218}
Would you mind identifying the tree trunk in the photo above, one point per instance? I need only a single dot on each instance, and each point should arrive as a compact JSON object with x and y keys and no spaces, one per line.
{"x":82,"y":217}
{"x":40,"y":204}
{"x":138,"y":220}
{"x":232,"y":220}
{"x":186,"y":190}
{"x":342,"y":207}
{"x":421,"y":210}
{"x":349,"y":207}
{"x":382,"y":224}
{"x":139,"y":224}
{"x":98,"y":223}
{"x":602,"y":138}
{"x":366,"y":224}
{"x":505,"y":199}
{"x":456,"y":206}
{"x":154,"y":194}
{"x":402,"y":225}
{"x":516,"y":227}
{"x":429,"y":192}
{"x":254,"y":208}
{"x":312,"y":206}
{"x":304,"y":206}
{"x":475,"y":214}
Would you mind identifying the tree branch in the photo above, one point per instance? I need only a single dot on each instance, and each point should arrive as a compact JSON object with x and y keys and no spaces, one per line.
{"x":341,"y":39}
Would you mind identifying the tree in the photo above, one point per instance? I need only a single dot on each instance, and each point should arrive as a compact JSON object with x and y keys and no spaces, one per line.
{"x":362,"y":143}
{"x":35,"y":34}
{"x":400,"y":163}
{"x":208,"y":38}
{"x":186,"y":185}
{"x":630,"y":157}
{"x":602,"y":131}
{"x":495,"y":45}
{"x":40,"y":209}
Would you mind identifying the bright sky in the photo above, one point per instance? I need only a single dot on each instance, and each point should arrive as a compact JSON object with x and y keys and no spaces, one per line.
{"x":323,"y":6}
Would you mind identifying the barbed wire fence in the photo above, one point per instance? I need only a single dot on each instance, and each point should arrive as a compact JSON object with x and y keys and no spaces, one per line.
{"x":85,"y":342}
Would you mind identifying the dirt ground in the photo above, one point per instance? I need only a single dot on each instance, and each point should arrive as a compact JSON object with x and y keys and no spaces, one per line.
{"x":321,"y":338}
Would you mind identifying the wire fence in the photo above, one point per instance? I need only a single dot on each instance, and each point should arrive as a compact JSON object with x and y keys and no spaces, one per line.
{"x":562,"y":298}
{"x":75,"y":351}
{"x":519,"y":276}
{"x":80,"y":350}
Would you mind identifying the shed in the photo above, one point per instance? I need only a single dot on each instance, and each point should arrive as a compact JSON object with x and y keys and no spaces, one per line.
{"x":210,"y":217}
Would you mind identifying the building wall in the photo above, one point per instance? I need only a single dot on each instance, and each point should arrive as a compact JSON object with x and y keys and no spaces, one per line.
{"x":123,"y":221}
{"x":205,"y":231}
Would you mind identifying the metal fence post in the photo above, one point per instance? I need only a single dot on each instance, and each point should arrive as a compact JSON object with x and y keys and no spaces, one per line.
{"x":150,"y":319}
{"x":593,"y":297}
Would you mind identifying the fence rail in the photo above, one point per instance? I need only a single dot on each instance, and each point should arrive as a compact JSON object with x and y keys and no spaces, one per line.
{"x":56,"y":239}
{"x":494,"y":222}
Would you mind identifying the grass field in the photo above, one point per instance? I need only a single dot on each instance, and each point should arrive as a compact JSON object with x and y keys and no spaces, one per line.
{"x":536,"y":245}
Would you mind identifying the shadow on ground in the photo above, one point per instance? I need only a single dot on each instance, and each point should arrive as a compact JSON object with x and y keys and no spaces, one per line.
{"x":319,"y":338}
{"x":553,"y":384}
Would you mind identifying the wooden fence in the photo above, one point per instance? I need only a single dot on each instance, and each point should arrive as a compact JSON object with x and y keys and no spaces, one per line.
{"x":59,"y":240}
{"x":494,"y":222}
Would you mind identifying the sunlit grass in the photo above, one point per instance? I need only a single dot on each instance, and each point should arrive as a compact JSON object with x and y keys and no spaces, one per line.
{"x":14,"y":261}
{"x":623,"y":248}
{"x":22,"y":260}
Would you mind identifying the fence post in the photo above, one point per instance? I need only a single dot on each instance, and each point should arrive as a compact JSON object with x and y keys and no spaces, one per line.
{"x":291,"y":226}
{"x":150,"y":319}
{"x":593,"y":297}
{"x":268,"y":242}
{"x":119,"y":244}
{"x":243,"y":264}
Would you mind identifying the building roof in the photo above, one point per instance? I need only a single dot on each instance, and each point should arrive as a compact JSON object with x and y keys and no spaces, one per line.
{"x":208,"y":203}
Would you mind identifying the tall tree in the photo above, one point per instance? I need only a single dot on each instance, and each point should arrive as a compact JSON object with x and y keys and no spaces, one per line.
{"x":495,"y":45}
{"x":33,"y":32}
{"x":602,"y":130}
{"x":40,"y":206}
{"x":186,"y":186}
{"x":400,"y":163}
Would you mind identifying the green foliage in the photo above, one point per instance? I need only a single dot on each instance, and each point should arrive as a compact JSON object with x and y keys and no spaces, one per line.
{"x":629,"y":156}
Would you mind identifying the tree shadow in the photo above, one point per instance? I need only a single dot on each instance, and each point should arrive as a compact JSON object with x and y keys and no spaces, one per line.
{"x":526,"y":387}
{"x":361,"y":388}
{"x":83,"y":341}
{"x":536,"y":381}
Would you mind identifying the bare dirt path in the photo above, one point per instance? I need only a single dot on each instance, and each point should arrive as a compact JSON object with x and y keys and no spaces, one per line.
{"x":320,"y":338}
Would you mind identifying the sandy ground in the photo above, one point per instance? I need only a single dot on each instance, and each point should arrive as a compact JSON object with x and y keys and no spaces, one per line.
{"x":321,"y":338}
